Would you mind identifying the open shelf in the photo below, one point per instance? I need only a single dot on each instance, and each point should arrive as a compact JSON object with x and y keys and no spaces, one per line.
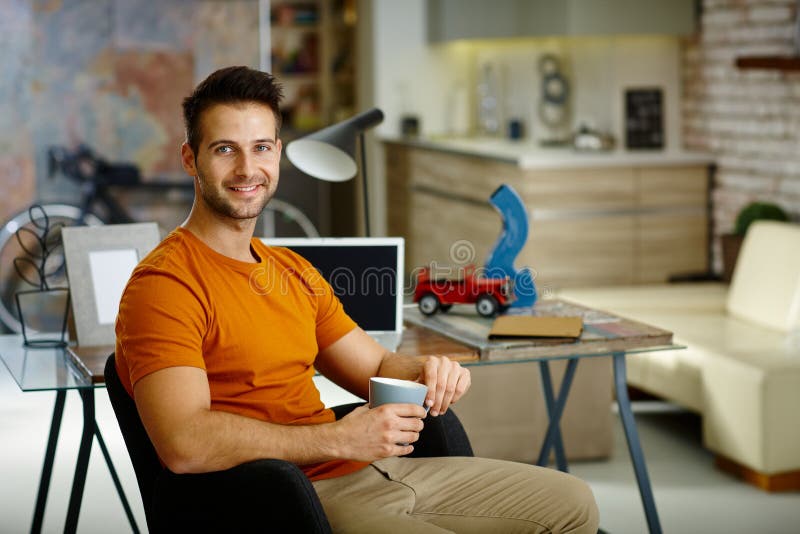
{"x":787,"y":63}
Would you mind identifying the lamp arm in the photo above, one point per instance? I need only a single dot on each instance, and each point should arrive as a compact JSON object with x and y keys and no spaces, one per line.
{"x":364,"y":180}
{"x":367,"y":119}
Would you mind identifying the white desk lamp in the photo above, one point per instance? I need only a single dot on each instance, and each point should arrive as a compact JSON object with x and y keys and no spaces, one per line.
{"x":329,"y":154}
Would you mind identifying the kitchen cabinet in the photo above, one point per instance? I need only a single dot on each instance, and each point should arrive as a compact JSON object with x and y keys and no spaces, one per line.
{"x":450,"y":20}
{"x":611,"y":224}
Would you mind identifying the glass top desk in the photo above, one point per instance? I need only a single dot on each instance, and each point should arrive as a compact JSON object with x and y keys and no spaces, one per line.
{"x":36,"y":369}
{"x":464,"y":338}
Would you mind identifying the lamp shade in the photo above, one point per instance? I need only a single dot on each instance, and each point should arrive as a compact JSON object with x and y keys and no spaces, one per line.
{"x":329,"y":154}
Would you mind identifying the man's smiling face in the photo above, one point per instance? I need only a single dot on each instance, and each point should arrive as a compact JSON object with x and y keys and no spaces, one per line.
{"x":238,"y":159}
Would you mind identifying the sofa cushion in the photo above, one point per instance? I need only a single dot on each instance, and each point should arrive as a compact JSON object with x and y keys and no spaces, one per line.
{"x":695,"y":313}
{"x":750,"y":410}
{"x":742,"y":377}
{"x":690,"y":309}
{"x":672,"y":375}
{"x":707,"y":297}
{"x":765,"y":288}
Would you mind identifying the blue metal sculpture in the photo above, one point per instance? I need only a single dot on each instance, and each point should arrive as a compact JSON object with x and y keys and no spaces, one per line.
{"x":500,"y":262}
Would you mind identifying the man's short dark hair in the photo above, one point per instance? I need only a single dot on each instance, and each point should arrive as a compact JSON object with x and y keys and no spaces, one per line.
{"x":231,"y":85}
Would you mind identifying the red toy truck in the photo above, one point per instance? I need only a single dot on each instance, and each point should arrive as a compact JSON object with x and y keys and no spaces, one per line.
{"x":490,"y":295}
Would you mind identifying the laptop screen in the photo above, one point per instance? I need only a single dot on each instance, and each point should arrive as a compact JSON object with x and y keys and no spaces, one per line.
{"x":365,"y":273}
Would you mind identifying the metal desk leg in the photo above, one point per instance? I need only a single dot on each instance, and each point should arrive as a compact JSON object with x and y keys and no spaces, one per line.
{"x":82,"y":464}
{"x":47,"y":468}
{"x":115,"y":478}
{"x":555,"y":408}
{"x":634,"y":447}
{"x":550,"y":401}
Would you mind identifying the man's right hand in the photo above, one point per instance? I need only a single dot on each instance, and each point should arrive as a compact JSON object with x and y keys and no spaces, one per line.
{"x":175,"y":406}
{"x":370,"y":434}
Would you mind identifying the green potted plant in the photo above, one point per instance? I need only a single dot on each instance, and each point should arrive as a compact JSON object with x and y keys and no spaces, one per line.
{"x":731,"y":243}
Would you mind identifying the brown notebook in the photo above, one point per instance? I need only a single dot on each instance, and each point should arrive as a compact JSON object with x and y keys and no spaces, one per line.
{"x":536,"y":326}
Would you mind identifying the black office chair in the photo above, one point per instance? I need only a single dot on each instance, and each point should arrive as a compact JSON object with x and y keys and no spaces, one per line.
{"x":264,"y":495}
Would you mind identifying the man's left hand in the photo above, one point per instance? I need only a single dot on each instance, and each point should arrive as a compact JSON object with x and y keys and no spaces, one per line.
{"x":447,"y":381}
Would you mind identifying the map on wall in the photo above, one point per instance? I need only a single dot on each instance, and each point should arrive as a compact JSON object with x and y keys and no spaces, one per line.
{"x":110,"y":74}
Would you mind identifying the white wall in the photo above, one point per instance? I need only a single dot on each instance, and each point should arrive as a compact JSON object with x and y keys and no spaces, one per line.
{"x":413,"y":77}
{"x":416,"y":78}
{"x":408,"y":77}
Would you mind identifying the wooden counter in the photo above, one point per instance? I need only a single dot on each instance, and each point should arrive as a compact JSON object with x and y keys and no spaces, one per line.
{"x":611,"y":224}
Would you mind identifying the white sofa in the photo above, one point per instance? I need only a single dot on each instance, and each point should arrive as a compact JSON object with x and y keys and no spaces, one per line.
{"x":741,"y":368}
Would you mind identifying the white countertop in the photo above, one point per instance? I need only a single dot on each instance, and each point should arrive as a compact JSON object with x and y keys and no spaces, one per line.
{"x":530,"y":155}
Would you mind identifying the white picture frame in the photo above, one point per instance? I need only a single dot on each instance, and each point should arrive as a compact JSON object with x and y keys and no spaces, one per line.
{"x":99,"y":262}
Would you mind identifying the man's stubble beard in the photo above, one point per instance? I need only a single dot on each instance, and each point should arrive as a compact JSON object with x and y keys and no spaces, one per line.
{"x":214,"y":200}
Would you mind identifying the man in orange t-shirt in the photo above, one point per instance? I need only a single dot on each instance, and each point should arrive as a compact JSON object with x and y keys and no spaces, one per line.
{"x":219,"y":336}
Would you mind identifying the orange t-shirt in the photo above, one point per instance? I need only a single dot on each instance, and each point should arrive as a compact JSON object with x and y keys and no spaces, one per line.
{"x":255,"y":328}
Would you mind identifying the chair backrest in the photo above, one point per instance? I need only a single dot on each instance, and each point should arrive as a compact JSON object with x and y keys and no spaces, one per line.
{"x":443,"y":436}
{"x":143,"y":455}
{"x":765,"y":288}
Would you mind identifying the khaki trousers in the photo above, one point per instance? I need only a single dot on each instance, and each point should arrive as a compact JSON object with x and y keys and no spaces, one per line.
{"x":454,"y":494}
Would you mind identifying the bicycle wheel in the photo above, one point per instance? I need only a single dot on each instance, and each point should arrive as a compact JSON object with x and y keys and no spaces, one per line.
{"x":10,"y":280}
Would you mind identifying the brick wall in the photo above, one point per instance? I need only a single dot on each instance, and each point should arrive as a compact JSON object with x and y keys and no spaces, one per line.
{"x":749,"y":119}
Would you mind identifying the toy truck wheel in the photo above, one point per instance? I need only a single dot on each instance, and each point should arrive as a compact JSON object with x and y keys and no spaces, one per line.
{"x":487,"y":305}
{"x":428,"y":304}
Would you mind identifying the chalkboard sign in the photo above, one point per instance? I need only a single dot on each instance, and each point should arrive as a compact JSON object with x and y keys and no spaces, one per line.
{"x":644,"y":118}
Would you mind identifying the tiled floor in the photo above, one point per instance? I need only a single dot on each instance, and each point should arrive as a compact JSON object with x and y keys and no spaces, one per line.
{"x":692,"y":497}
